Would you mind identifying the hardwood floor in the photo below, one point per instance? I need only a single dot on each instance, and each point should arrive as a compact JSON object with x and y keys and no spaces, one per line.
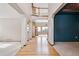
{"x":38,"y":46}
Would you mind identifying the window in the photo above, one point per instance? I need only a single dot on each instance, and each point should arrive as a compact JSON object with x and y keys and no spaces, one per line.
{"x":39,"y":29}
{"x":44,"y":28}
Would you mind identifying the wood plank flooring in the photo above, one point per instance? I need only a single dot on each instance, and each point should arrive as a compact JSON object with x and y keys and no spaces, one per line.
{"x":38,"y":46}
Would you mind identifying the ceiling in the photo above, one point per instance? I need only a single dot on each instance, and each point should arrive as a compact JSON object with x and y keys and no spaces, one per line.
{"x":6,"y":11}
{"x":41,"y":9}
{"x":71,"y":7}
{"x":41,"y":5}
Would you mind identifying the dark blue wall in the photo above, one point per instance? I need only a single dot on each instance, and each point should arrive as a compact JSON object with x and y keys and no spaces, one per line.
{"x":66,"y":27}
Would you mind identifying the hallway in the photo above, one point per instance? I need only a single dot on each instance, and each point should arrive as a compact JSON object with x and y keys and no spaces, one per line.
{"x":38,"y":46}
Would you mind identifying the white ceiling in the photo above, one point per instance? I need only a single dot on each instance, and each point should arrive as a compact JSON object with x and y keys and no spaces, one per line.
{"x":41,"y":21}
{"x":26,"y":8}
{"x":6,"y":11}
{"x":54,"y":8}
{"x":41,"y":5}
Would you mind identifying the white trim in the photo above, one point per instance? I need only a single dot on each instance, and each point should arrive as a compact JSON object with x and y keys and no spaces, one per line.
{"x":51,"y":22}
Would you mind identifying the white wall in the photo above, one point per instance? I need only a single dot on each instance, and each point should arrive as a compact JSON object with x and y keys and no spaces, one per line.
{"x":30,"y":33}
{"x":27,"y":9}
{"x":13,"y":25}
{"x":6,"y":11}
{"x":53,"y":8}
{"x":11,"y":29}
{"x":24,"y":34}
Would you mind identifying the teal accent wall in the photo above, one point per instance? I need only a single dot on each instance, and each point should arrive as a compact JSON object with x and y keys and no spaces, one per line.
{"x":66,"y":27}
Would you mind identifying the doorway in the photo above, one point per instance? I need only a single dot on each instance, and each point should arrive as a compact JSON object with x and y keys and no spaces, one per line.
{"x":41,"y":30}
